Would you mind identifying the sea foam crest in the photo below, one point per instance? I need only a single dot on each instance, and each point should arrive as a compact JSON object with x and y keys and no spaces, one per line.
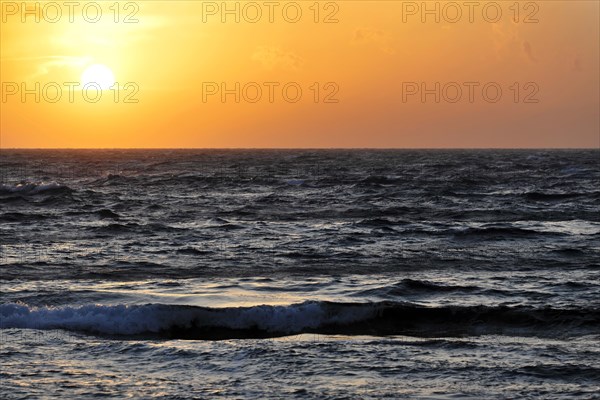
{"x":31,"y":187}
{"x":155,"y":318}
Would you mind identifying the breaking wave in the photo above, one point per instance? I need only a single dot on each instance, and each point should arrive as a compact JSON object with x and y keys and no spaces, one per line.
{"x":378,"y":319}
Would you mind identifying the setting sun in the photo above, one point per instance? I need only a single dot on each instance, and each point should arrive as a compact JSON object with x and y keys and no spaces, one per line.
{"x":98,"y":74}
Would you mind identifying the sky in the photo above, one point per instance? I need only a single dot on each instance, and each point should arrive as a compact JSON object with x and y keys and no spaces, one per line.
{"x":304,"y":74}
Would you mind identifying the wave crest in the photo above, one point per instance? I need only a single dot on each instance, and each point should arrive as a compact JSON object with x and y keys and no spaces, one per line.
{"x":32,"y":188}
{"x":378,"y":319}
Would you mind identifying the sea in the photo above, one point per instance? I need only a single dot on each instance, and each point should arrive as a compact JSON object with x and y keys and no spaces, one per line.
{"x":300,"y":274}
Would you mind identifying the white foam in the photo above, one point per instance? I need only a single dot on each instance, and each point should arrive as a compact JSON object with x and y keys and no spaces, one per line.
{"x":154,"y":318}
{"x":31,"y":188}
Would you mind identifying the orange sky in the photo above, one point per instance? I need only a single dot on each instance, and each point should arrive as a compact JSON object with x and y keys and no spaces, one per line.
{"x":370,"y":57}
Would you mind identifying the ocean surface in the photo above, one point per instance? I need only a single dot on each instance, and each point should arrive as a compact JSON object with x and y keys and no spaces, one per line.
{"x":302,"y":274}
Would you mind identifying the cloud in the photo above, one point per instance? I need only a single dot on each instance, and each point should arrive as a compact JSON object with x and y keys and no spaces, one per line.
{"x":44,"y":65}
{"x":528,"y":51}
{"x":509,"y":44}
{"x":577,"y":64}
{"x":273,"y":57}
{"x":375,"y":36}
{"x":60,"y":62}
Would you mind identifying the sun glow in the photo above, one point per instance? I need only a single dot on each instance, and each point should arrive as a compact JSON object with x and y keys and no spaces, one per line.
{"x":98,"y":74}
{"x":176,"y":67}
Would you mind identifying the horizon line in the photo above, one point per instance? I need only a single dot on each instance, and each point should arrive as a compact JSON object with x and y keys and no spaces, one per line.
{"x":299,"y":148}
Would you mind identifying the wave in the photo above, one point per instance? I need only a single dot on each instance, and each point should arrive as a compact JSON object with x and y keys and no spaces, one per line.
{"x":193,"y":251}
{"x":107,"y":213}
{"x":501,"y":232}
{"x":21,"y":217}
{"x":414,"y":286}
{"x":380,"y":180}
{"x":541,"y":196}
{"x":377,"y":319}
{"x":31,"y":188}
{"x":133,"y":227}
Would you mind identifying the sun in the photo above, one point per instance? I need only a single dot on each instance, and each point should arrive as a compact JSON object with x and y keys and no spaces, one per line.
{"x":98,"y":74}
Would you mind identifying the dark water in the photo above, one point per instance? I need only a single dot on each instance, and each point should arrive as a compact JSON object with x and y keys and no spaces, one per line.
{"x":300,"y":274}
